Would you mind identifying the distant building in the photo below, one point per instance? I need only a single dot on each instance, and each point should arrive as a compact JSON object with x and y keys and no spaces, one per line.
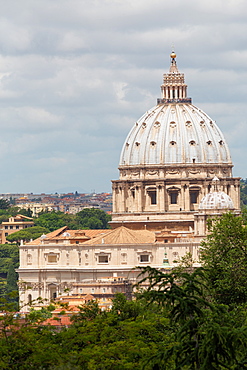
{"x":14,"y":224}
{"x":36,"y":208}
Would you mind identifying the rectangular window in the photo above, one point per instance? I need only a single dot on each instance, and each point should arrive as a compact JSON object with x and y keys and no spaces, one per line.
{"x":193,"y":197}
{"x":174,"y":198}
{"x":52,"y":259}
{"x":153,"y":196}
{"x":6,"y":234}
{"x":6,"y":227}
{"x":103,"y":259}
{"x":11,"y":227}
{"x":144,"y":258}
{"x":17,"y":227}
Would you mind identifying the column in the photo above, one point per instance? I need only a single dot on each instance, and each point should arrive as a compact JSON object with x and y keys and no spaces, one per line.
{"x":176,"y":92}
{"x":162,"y":198}
{"x":114,"y":202}
{"x":180,"y":92}
{"x":186,"y":198}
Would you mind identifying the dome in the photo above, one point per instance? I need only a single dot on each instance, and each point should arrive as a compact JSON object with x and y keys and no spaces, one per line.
{"x":174,"y":131}
{"x":216,"y":200}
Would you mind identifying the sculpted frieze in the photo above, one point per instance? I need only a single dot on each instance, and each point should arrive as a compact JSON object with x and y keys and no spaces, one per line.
{"x":23,"y":286}
{"x":152,"y":173}
{"x":211,"y":171}
{"x":135,"y":173}
{"x":194,"y":171}
{"x":173,"y":171}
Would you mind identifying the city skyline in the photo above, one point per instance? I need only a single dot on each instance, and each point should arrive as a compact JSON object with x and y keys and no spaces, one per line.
{"x":76,"y":76}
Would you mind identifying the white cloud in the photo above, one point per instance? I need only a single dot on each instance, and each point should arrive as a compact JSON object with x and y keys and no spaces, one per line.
{"x":75,"y":76}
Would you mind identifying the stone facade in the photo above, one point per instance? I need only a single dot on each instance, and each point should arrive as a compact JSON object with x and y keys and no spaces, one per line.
{"x":51,"y":265}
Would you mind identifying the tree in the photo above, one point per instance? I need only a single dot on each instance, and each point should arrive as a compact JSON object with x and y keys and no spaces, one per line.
{"x":52,"y":220}
{"x":92,"y":218}
{"x":11,"y":286}
{"x":224,"y":257}
{"x":25,"y":212}
{"x":204,"y":335}
{"x":4,"y":204}
{"x":11,"y":279}
{"x":9,"y":254}
{"x":27,"y":234}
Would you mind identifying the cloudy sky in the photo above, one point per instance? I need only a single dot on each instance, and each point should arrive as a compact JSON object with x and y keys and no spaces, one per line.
{"x":76,"y":74}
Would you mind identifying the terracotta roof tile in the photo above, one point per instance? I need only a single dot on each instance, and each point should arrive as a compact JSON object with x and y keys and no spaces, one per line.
{"x":82,"y":235}
{"x":123,"y":235}
{"x":49,"y":235}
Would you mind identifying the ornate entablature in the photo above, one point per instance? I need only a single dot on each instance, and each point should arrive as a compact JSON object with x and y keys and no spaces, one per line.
{"x":28,"y":286}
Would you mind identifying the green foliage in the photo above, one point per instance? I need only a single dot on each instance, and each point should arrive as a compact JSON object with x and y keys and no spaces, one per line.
{"x":11,"y":279}
{"x":25,"y":212}
{"x":171,"y":326}
{"x":2,"y":287}
{"x":92,"y":218}
{"x":9,"y":254}
{"x":6,"y":213}
{"x":11,"y":286}
{"x":98,"y":341}
{"x":89,"y":311}
{"x":88,"y":218}
{"x":224,"y":256}
{"x":205,"y":336}
{"x":185,"y":320}
{"x":27,"y":234}
{"x":38,"y":316}
{"x":51,"y":221}
{"x":243,"y":192}
{"x":4,"y":204}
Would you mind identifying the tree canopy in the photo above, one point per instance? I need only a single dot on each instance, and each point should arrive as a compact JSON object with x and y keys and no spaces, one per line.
{"x":92,"y":218}
{"x":4,"y":204}
{"x":224,"y":256}
{"x":88,"y":218}
{"x":27,"y":234}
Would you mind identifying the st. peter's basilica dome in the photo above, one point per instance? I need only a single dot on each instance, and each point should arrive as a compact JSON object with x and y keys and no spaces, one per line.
{"x":168,"y":162}
{"x":174,"y":133}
